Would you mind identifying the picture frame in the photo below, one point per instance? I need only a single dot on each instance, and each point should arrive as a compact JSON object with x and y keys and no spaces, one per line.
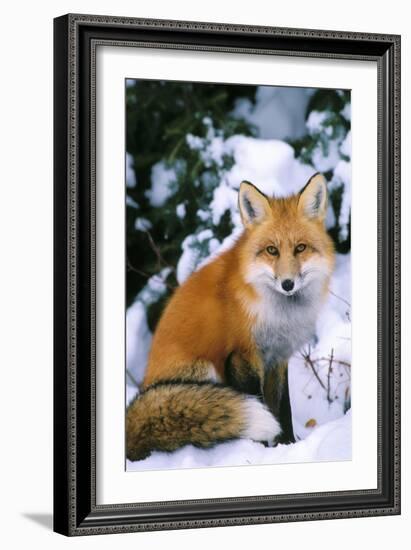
{"x":76,"y":38}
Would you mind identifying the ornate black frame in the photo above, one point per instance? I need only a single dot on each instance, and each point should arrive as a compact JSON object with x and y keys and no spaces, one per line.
{"x":76,"y":38}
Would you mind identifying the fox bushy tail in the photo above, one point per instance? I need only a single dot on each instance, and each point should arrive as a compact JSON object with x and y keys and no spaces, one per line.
{"x":169,"y":415}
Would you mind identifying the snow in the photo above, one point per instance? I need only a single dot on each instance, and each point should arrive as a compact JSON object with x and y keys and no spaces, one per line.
{"x":188,"y":259}
{"x":342,"y":178}
{"x":278,"y":113}
{"x":204,"y":215}
{"x":143,"y":224}
{"x":330,"y":219}
{"x":214,"y":152}
{"x":138,"y":341}
{"x":163,"y":184}
{"x":345,"y":147}
{"x":204,"y":235}
{"x":315,"y":121}
{"x":346,"y":112}
{"x":329,"y":442}
{"x":194,"y":142}
{"x":130,"y":173}
{"x":308,"y":397}
{"x":154,"y":288}
{"x":181,"y":210}
{"x":217,"y":248}
{"x":327,"y":151}
{"x":268,"y":163}
{"x":139,"y":337}
{"x":224,"y":198}
{"x":325,"y":159}
{"x":131,"y":202}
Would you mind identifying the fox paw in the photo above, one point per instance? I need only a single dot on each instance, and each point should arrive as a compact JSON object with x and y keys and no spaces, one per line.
{"x":261,"y":425}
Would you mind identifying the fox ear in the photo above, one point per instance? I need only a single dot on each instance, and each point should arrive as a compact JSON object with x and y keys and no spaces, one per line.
{"x":312,"y":201}
{"x":253,"y":204}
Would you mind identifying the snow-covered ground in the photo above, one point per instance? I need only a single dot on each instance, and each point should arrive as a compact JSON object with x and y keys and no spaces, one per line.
{"x":332,"y":441}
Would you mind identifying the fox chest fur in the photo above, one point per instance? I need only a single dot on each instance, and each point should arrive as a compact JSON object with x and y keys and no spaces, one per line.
{"x":284,"y":324}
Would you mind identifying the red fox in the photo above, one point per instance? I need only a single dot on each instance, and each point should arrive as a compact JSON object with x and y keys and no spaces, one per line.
{"x":217,"y":368}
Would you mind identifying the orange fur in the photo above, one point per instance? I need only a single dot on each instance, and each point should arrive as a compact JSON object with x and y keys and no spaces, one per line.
{"x":213,"y":313}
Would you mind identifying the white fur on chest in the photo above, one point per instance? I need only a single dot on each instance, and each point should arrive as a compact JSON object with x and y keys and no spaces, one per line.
{"x":283,"y":324}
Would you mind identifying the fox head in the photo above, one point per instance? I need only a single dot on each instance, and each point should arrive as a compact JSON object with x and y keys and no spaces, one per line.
{"x":286,"y":246}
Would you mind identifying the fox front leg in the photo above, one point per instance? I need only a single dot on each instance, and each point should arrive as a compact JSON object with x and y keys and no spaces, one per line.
{"x":277,"y":397}
{"x":245,"y":373}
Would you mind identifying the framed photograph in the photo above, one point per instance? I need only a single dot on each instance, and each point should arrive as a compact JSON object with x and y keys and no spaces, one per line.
{"x":227,"y":274}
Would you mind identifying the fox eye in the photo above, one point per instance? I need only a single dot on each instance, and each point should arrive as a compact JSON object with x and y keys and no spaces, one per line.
{"x":300,"y":248}
{"x":272,"y":250}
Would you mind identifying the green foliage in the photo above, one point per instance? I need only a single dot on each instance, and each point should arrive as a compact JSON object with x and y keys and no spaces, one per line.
{"x":328,"y":126}
{"x":160,"y":116}
{"x":329,"y":100}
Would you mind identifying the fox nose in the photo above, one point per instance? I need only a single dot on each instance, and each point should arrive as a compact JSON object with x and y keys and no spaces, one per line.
{"x":287,"y":285}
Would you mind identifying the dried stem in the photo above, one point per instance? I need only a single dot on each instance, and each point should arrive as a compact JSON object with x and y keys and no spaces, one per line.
{"x":338,"y":361}
{"x":310,"y":363}
{"x":313,"y":363}
{"x":330,"y":369}
{"x":340,"y":298}
{"x":133,"y":380}
{"x":345,"y":302}
{"x":147,"y":275}
{"x":136,"y":270}
{"x":160,"y":260}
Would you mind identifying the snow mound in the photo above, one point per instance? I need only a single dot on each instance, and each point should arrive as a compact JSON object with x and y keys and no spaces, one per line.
{"x":269,"y":164}
{"x":278,"y":112}
{"x":138,"y":341}
{"x":329,"y":442}
{"x":163,"y":183}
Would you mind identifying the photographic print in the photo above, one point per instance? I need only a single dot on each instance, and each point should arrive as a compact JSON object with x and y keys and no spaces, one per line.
{"x":238,"y":275}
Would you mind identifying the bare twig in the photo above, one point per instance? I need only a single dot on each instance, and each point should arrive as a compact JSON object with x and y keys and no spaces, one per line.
{"x":330,"y":369}
{"x":347,"y":371}
{"x":160,"y":260}
{"x":147,"y":275}
{"x":136,"y":270}
{"x":345,"y":302}
{"x":316,"y":364}
{"x":339,"y":298}
{"x":132,"y":379}
{"x":310,"y":363}
{"x":338,"y":361}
